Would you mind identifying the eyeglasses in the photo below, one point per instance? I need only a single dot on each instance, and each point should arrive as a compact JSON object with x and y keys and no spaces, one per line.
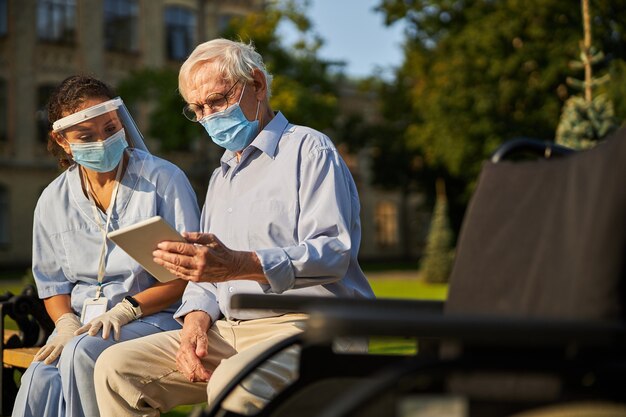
{"x":215,"y":102}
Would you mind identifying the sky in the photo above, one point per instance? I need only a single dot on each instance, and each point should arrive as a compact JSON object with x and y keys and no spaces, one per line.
{"x":354,"y":33}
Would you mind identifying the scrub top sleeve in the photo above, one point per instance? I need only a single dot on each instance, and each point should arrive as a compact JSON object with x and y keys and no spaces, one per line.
{"x":180,"y":204}
{"x":47,"y":258}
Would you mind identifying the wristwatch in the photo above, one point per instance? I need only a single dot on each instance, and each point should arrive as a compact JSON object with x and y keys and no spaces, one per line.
{"x":134,"y":304}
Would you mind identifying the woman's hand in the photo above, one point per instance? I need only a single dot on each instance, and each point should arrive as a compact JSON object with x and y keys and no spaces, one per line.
{"x":115,"y":318}
{"x":65,"y":325}
{"x":206,"y":259}
{"x":194,"y":344}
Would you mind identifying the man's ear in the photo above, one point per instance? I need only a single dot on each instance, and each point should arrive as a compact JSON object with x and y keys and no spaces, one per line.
{"x":260,"y":84}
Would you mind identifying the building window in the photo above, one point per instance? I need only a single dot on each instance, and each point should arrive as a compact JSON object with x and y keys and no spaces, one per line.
{"x":121,"y":25}
{"x":3,"y":17}
{"x":386,"y":224}
{"x":180,"y":27}
{"x":43,"y":125}
{"x":4,"y":216}
{"x":3,"y":111}
{"x":56,"y":20}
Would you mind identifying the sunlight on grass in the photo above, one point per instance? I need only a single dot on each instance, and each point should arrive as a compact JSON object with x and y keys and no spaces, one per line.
{"x":408,"y":288}
{"x":180,"y":411}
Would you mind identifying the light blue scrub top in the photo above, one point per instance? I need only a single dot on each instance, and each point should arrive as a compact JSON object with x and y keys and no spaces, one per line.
{"x":292,"y":200}
{"x":67,"y":240}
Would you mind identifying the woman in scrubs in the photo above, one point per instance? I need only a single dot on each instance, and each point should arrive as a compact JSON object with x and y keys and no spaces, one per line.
{"x":94,"y":292}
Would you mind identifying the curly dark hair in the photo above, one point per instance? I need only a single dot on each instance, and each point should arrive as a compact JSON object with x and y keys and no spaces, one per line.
{"x":66,"y":99}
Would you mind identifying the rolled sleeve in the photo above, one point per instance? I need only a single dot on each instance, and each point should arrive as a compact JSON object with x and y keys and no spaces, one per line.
{"x":277,"y":268}
{"x":198,"y":297}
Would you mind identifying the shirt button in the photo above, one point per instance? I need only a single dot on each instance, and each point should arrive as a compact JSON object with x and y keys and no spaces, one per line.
{"x":231,"y":289}
{"x":230,"y":210}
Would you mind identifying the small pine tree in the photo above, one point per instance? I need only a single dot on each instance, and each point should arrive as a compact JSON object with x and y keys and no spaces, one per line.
{"x":584,"y":123}
{"x":586,"y":120}
{"x":439,"y":254}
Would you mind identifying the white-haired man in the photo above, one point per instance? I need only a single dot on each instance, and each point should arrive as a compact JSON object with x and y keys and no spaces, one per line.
{"x":281,"y":216}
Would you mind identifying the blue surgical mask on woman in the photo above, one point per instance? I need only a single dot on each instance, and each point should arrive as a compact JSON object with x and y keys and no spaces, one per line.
{"x":230,"y":128}
{"x":100,"y":156}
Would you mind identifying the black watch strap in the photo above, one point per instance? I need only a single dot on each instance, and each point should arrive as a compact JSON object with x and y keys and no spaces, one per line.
{"x":134,"y":305}
{"x":132,"y":301}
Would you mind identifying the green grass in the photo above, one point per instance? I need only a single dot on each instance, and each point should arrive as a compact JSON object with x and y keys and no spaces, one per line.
{"x":407,"y":288}
{"x":391,"y":285}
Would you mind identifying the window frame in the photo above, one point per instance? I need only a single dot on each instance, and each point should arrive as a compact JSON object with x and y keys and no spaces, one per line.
{"x":60,"y":21}
{"x":173,"y":17}
{"x":121,"y":26}
{"x":387,"y":223}
{"x":4,"y":18}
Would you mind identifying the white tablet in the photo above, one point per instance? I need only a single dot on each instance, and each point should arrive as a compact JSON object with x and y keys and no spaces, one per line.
{"x":141,"y":239}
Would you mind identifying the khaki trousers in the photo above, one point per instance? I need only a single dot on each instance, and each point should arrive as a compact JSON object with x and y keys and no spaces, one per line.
{"x":139,"y":377}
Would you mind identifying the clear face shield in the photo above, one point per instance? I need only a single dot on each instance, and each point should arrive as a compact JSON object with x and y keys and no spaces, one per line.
{"x":88,"y":116}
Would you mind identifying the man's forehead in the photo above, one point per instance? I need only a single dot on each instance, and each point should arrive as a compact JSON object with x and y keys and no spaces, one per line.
{"x":207,"y":79}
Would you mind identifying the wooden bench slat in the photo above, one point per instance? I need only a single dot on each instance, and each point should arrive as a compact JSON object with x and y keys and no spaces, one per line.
{"x":20,"y":358}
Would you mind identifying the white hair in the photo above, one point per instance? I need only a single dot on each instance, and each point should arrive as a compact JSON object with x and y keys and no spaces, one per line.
{"x":236,"y":61}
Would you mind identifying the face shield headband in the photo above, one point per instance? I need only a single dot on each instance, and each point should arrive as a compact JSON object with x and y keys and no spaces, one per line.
{"x":133,"y":135}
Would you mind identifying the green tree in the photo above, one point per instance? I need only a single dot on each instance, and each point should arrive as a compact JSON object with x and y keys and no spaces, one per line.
{"x":477,"y":73}
{"x":304,"y":86}
{"x":159,"y":90}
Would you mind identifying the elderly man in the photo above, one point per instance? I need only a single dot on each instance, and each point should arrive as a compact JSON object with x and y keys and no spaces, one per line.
{"x":281,"y":217}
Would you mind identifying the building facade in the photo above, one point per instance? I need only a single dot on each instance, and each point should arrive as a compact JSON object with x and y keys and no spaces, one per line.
{"x":44,"y":41}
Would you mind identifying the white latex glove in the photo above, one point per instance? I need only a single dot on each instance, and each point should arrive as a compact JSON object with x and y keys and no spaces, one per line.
{"x":116,"y":317}
{"x":66,"y":325}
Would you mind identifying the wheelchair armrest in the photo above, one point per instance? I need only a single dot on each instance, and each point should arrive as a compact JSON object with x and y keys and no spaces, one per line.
{"x":328,"y":322}
{"x":305,"y":304}
{"x":530,"y":146}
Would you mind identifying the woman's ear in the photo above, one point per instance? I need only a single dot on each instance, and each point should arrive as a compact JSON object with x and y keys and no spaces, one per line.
{"x":60,"y":140}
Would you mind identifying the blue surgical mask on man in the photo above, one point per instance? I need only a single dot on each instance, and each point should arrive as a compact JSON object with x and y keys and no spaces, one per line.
{"x":100,"y":156}
{"x":230,"y":128}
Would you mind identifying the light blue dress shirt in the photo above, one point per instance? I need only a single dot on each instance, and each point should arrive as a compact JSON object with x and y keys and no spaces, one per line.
{"x":292,"y":200}
{"x":67,"y":239}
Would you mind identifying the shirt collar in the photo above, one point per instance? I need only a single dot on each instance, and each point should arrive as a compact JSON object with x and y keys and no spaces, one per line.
{"x":266,"y":141}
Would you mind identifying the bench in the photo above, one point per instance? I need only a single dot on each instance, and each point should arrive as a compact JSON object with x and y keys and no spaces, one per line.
{"x":19,"y":346}
{"x":17,"y":357}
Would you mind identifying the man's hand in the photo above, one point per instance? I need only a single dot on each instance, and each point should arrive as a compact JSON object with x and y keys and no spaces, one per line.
{"x":193,"y":347}
{"x":206,"y":259}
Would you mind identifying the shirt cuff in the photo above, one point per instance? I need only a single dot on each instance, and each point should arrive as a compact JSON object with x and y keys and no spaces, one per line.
{"x":49,"y":290}
{"x":277,"y":269}
{"x":197,"y":305}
